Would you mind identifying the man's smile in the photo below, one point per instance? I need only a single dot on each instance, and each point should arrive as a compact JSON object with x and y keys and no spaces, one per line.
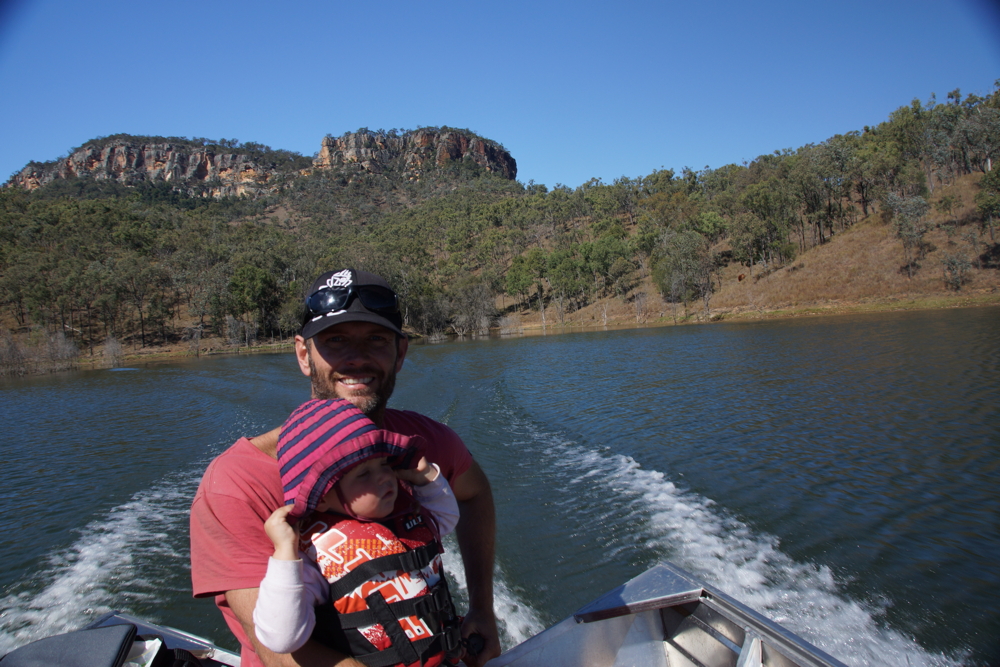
{"x":355,"y":381}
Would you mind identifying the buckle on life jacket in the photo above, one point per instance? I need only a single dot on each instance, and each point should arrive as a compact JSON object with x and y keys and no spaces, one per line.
{"x":450,"y":630}
{"x":436,"y":606}
{"x":451,"y":642}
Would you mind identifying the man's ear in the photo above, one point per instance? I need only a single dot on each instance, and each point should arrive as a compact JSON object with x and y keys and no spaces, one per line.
{"x":402,"y":345}
{"x":302,"y":355}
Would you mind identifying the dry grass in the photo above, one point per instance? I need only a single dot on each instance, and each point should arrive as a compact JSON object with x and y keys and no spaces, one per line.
{"x":860,"y":269}
{"x":865,"y":265}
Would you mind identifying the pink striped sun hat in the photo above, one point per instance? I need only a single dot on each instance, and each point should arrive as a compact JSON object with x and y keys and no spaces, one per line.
{"x":323,"y":439}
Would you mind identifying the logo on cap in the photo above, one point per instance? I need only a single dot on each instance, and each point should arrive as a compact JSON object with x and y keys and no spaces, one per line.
{"x":340,"y":279}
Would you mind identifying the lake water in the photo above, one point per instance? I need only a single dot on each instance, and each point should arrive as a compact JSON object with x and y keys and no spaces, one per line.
{"x":840,"y":475}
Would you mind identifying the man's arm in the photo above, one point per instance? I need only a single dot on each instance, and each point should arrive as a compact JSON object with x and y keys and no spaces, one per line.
{"x":476,"y":533}
{"x":312,"y":654}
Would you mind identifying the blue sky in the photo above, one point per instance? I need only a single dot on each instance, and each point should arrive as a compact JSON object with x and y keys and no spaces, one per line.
{"x":573,"y":90}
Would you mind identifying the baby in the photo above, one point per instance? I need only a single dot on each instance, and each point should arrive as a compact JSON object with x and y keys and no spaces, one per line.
{"x":362,"y":570}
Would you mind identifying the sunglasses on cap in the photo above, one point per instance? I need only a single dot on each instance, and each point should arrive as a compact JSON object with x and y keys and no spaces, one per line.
{"x":375,"y":298}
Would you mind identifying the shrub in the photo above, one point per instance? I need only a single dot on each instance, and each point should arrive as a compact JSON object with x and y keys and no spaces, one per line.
{"x":956,"y":270}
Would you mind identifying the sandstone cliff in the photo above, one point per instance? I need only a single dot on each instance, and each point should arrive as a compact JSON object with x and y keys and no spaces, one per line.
{"x":201,"y":170}
{"x":415,"y":152}
{"x":232,"y":169}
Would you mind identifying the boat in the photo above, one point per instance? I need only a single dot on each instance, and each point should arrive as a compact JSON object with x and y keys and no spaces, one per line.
{"x":111,"y":648}
{"x":204,"y":649}
{"x":665,"y":617}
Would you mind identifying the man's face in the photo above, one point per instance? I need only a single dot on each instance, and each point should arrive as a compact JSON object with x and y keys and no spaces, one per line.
{"x":357,"y":361}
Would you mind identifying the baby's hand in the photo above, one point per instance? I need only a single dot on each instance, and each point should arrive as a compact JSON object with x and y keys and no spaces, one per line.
{"x":284,"y":535}
{"x":422,"y":475}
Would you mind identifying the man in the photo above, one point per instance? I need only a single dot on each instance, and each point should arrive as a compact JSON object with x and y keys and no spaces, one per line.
{"x":351,"y":346}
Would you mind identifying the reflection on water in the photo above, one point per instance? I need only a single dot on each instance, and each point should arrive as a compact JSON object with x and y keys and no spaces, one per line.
{"x":838,"y":474}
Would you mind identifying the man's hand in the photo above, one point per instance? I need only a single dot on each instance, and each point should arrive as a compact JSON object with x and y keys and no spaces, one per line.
{"x":485,"y":625}
{"x":476,"y":533}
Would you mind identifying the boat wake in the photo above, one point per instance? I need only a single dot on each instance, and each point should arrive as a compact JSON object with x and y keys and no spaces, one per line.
{"x":133,"y":557}
{"x":801,"y":596}
{"x":654,"y":515}
{"x":516,"y":620}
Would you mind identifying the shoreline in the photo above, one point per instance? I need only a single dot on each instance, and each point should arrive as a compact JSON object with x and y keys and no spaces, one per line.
{"x":980,"y":299}
{"x":534,"y":327}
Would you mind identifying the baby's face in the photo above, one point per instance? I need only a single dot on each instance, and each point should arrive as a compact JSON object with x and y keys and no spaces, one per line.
{"x":369,"y":489}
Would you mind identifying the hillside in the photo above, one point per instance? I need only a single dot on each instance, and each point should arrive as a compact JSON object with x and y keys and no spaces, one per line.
{"x":164,"y":242}
{"x":859,"y":270}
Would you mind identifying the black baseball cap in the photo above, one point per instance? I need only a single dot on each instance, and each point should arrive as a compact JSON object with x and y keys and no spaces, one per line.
{"x":349,"y":295}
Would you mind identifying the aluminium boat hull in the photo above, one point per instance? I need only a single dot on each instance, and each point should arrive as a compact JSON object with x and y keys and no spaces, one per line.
{"x":665,"y":617}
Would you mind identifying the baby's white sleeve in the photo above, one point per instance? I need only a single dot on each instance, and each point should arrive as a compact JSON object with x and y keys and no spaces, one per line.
{"x":438,"y":499}
{"x":285,"y":615}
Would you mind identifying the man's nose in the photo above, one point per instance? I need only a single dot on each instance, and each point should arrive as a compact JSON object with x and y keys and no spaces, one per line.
{"x":355,"y":354}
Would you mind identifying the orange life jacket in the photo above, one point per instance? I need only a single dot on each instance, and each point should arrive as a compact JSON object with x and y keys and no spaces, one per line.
{"x":390,"y":601}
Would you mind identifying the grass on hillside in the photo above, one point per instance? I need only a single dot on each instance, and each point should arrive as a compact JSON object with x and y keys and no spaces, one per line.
{"x":861,"y":269}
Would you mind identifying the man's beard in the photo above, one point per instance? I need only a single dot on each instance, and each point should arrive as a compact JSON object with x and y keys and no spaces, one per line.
{"x":324,"y":388}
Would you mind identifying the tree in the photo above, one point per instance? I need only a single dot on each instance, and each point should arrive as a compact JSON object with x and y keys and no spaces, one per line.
{"x":601,"y":257}
{"x":908,"y":130}
{"x":988,"y":199}
{"x":618,"y":272}
{"x":674,"y":208}
{"x":710,"y":224}
{"x":682,"y":268}
{"x":567,"y":275}
{"x":908,"y":217}
{"x":139,"y":280}
{"x":472,"y":309}
{"x":159,"y":313}
{"x":956,"y":270}
{"x":978,"y":134}
{"x":772,"y":204}
{"x":518,"y":278}
{"x":254,"y":295}
{"x":15,"y":280}
{"x":748,"y":236}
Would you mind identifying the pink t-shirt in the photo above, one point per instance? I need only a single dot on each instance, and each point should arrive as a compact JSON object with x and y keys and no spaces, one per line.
{"x":240,"y":490}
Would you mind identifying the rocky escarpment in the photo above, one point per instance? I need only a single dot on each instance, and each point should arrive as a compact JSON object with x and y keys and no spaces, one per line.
{"x":204,"y":170}
{"x":230,"y":169}
{"x":414,"y":153}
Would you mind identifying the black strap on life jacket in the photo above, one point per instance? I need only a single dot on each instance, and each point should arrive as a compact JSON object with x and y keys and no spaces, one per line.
{"x":340,"y":631}
{"x":408,"y":561}
{"x":432,"y":606}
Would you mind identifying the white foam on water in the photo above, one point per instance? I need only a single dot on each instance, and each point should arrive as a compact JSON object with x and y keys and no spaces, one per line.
{"x":693,"y":532}
{"x":102,"y":569}
{"x":516,"y":620}
{"x":99,"y":571}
